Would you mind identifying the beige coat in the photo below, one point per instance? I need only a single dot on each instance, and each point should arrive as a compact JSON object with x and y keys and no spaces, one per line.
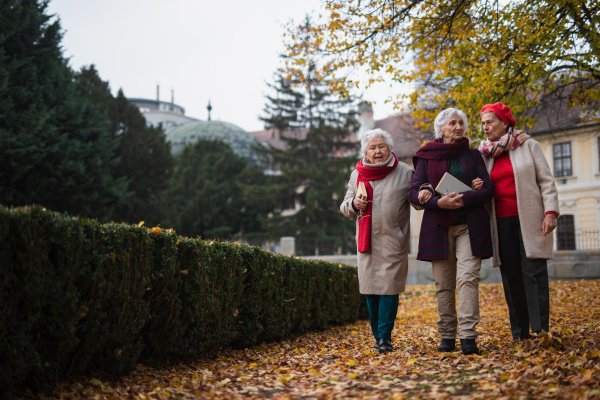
{"x":383,"y":270}
{"x":536,"y":195}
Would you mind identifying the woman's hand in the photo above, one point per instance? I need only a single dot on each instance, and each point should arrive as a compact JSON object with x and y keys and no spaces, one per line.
{"x":451,"y":201}
{"x":549,"y":224}
{"x":424,"y":196}
{"x":476,"y":184}
{"x":359,"y":204}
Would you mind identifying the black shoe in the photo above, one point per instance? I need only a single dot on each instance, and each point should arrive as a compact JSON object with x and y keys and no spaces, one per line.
{"x":385,"y":345}
{"x":469,"y":346}
{"x":447,"y":345}
{"x":376,"y":345}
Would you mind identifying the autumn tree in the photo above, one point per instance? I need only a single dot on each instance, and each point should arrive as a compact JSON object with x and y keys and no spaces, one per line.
{"x":318,"y":129}
{"x":461,"y":53}
{"x":55,"y":146}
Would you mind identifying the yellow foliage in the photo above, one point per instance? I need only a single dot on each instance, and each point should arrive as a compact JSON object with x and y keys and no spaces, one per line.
{"x":465,"y":53}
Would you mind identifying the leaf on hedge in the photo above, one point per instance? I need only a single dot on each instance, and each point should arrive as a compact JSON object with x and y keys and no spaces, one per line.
{"x":184,"y":272}
{"x":95,"y":382}
{"x":141,"y":224}
{"x":83,"y":310}
{"x":235,"y":313}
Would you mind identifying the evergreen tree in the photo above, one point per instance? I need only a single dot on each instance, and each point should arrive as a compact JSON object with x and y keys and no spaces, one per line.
{"x":213,"y":193}
{"x":55,"y":145}
{"x":315,"y":165}
{"x":145,"y":155}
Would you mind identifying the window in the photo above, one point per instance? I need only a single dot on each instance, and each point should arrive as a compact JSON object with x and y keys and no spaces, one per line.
{"x":562,"y":159}
{"x":565,"y":233}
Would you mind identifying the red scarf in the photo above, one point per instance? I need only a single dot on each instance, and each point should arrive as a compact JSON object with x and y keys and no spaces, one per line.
{"x":366,"y":174}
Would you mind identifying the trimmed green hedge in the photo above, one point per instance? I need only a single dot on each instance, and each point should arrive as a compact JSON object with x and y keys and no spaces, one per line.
{"x":78,"y":297}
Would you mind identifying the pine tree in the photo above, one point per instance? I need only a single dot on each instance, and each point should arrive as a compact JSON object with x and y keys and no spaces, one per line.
{"x":55,"y":146}
{"x":145,"y":158}
{"x":317,"y":128}
{"x":214,"y":194}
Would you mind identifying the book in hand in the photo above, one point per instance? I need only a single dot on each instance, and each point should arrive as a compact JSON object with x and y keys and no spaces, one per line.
{"x":361,"y":192}
{"x":449,"y":184}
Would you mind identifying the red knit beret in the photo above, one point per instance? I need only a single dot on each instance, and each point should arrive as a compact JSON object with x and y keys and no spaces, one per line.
{"x":502,"y":111}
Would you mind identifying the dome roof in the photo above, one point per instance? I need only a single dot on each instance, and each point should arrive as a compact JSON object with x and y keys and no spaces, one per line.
{"x":240,"y":141}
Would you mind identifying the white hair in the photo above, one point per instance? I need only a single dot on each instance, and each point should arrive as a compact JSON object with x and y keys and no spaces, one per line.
{"x":444,"y":116}
{"x":372,"y":134}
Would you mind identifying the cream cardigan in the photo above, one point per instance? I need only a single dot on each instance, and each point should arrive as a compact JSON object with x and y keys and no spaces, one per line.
{"x":536,"y":195}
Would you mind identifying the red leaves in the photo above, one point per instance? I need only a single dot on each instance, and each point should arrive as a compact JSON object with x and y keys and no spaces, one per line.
{"x":342,"y":363}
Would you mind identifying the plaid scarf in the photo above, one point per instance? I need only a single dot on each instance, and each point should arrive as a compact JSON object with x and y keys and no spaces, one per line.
{"x":513,"y":138}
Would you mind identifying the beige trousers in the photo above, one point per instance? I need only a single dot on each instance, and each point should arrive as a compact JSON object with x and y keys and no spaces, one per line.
{"x":460,"y":268}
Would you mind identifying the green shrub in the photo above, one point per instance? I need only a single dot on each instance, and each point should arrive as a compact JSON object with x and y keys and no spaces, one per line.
{"x":78,"y":297}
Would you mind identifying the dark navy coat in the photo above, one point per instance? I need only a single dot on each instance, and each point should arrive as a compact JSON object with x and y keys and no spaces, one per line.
{"x":433,"y":240}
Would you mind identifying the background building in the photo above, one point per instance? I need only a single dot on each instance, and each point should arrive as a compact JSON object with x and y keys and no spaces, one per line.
{"x":156,"y":112}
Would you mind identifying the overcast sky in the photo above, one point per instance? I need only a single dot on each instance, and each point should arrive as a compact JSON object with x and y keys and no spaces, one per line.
{"x":224,"y":51}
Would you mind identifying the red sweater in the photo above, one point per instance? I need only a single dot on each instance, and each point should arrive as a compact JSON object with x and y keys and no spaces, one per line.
{"x":505,"y":196}
{"x":503,"y":178}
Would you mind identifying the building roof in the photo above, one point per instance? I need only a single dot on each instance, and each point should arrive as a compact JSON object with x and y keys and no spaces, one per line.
{"x":241,"y":142}
{"x":554,"y":113}
{"x":407,"y":137}
{"x":272,"y":137}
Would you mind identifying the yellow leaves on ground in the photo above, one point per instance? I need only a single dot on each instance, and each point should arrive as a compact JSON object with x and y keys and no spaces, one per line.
{"x":341,"y":363}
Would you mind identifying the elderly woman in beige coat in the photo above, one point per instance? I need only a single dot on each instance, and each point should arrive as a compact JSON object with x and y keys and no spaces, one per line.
{"x":524,"y":213}
{"x":382,"y":229}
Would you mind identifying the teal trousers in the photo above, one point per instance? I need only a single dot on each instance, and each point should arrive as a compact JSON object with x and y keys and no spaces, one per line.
{"x":382,"y":313}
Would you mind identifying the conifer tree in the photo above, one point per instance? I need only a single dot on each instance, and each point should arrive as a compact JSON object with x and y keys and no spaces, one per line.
{"x":213,"y":193}
{"x":55,"y":145}
{"x":320,"y":151}
{"x":145,"y":158}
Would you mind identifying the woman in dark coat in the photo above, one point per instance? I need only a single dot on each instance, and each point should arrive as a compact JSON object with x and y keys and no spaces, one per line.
{"x":455,"y":232}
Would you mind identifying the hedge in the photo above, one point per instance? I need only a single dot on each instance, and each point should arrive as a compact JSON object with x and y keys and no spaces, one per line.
{"x":79,"y":298}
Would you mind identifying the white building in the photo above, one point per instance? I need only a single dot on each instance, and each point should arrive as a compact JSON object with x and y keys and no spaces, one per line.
{"x":156,"y":112}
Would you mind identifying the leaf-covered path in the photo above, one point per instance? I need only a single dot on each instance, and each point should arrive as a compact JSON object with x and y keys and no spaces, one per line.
{"x":340,"y":363}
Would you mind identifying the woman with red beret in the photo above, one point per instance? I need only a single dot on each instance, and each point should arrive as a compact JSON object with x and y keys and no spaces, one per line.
{"x":524,"y":213}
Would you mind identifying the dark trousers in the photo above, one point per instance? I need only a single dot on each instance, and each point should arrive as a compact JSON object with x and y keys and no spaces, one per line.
{"x":525,"y":281}
{"x":382,"y":313}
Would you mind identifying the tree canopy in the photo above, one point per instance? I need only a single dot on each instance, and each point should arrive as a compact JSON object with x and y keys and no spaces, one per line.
{"x":463,"y":53}
{"x":145,"y":159}
{"x":55,"y":146}
{"x":213,"y":193}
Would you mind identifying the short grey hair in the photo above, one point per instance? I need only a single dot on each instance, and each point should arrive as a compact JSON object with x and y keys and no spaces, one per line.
{"x":372,"y":134}
{"x":444,"y":116}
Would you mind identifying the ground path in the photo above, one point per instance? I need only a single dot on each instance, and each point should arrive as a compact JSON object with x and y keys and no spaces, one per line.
{"x":340,"y":363}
